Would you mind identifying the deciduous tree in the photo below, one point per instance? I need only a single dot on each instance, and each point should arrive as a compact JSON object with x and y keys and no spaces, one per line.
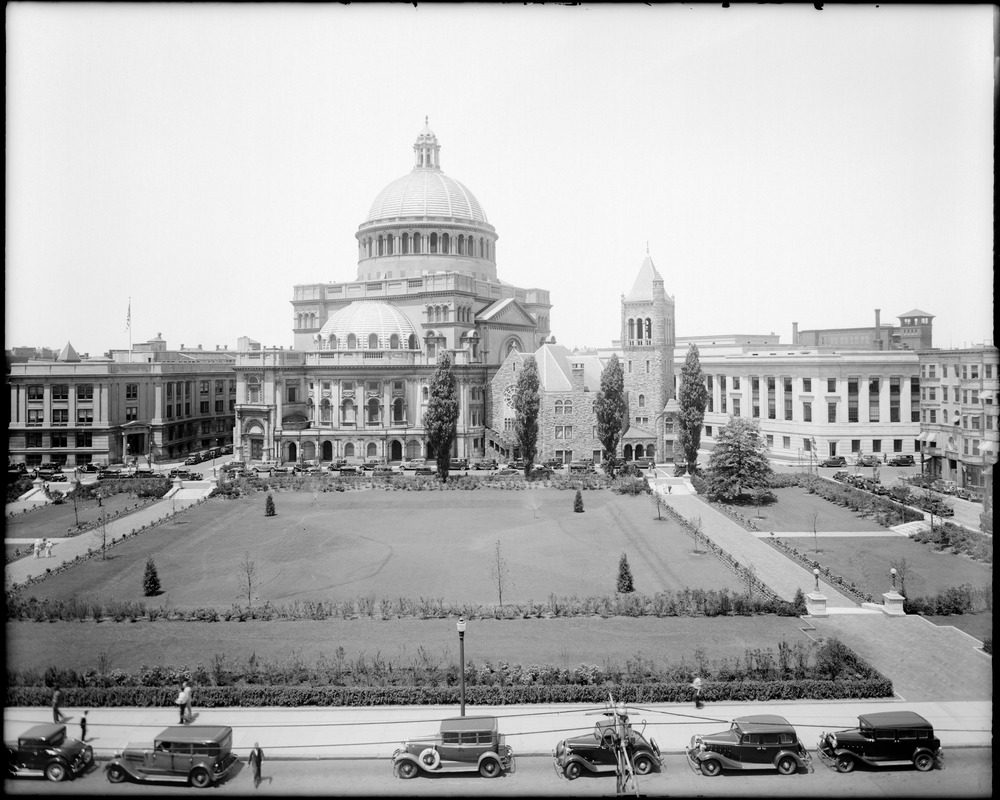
{"x":611,"y":407}
{"x":246,"y":574}
{"x":526,"y":405}
{"x":441,"y":417}
{"x":692,"y":399}
{"x":739,"y":460}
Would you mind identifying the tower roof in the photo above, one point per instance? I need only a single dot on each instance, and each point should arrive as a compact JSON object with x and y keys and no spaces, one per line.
{"x":68,"y":354}
{"x":642,"y":289}
{"x":915,"y":313}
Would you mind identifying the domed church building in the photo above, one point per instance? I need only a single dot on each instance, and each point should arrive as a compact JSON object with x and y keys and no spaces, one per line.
{"x":355,"y":384}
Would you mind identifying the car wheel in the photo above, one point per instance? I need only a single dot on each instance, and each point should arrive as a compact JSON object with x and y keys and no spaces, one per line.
{"x":489,"y":768}
{"x":924,"y":762}
{"x":643,"y":764}
{"x":55,"y":771}
{"x":200,"y":778}
{"x":572,"y":771}
{"x":711,"y":768}
{"x":116,"y":774}
{"x":845,"y":764}
{"x":407,"y":770}
{"x":787,"y":766}
{"x":430,"y":758}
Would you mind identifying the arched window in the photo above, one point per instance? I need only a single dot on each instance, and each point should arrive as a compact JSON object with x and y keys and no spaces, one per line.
{"x":373,"y":411}
{"x":642,"y":401}
{"x":349,"y":450}
{"x":394,"y":342}
{"x":434,"y":242}
{"x":445,"y":243}
{"x":352,"y":342}
{"x":437,"y":313}
{"x":649,"y":328}
{"x":426,"y":394}
{"x":397,"y":410}
{"x":513,"y":347}
{"x":372,"y":449}
{"x":461,"y":245}
{"x":416,"y":243}
{"x":373,"y":341}
{"x":568,"y":405}
{"x":388,"y":244}
{"x":444,"y":312}
{"x":405,"y":244}
{"x":350,"y":412}
{"x":334,"y":344}
{"x":381,"y":246}
{"x":253,"y":390}
{"x":559,"y":407}
{"x":631,"y":330}
{"x":412,"y":344}
{"x":324,"y":411}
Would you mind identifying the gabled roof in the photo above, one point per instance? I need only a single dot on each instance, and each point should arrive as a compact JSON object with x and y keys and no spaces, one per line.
{"x":636,"y":432}
{"x":555,"y":370}
{"x":507,"y":311}
{"x":642,"y":289}
{"x":915,"y":313}
{"x":68,"y":354}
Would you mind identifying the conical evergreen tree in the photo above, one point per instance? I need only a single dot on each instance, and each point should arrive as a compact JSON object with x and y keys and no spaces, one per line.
{"x":578,"y":502}
{"x":269,"y":510}
{"x":150,"y":580}
{"x":625,"y":582}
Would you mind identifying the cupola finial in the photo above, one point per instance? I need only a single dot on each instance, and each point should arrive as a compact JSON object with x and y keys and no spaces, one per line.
{"x":426,"y":148}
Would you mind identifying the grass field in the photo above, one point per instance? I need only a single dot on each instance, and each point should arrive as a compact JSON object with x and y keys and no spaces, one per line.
{"x":562,"y":642}
{"x":401,"y":544}
{"x":793,"y":512}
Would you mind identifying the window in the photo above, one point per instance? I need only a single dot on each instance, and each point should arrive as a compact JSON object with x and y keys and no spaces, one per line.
{"x":831,"y":384}
{"x":933,"y":415}
{"x":60,"y":416}
{"x":708,"y":430}
{"x":291,"y":393}
{"x":831,"y":412}
{"x":876,"y":445}
{"x":914,"y":399}
{"x":771,"y":409}
{"x":35,"y":392}
{"x":873,"y":400}
{"x":736,"y":406}
{"x":852,"y":399}
{"x":897,"y":445}
{"x":85,"y":391}
{"x":170,"y":390}
{"x":807,"y":384}
{"x":203,"y":387}
{"x":807,"y":445}
{"x":84,"y":416}
{"x":755,"y":397}
{"x":786,"y":442}
{"x":132,"y":391}
{"x":35,"y":416}
{"x":170,"y":412}
{"x":33,"y":439}
{"x":131,"y":413}
{"x":855,"y":445}
{"x":894,"y":390}
{"x":988,"y":371}
{"x":770,"y":440}
{"x":736,"y":382}
{"x":84,"y":439}
{"x":220,"y":387}
{"x":564,"y":431}
{"x":647,"y":365}
{"x":60,"y":440}
{"x":807,"y":412}
{"x":974,"y":372}
{"x":220,"y":406}
{"x":60,"y":391}
{"x":203,"y":407}
{"x":187,"y":407}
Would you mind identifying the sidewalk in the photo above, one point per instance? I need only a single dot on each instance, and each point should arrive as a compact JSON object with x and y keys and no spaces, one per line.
{"x":375,"y":732}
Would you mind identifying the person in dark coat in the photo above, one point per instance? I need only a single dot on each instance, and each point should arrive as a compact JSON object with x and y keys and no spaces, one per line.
{"x":57,"y":715}
{"x":256,"y":759}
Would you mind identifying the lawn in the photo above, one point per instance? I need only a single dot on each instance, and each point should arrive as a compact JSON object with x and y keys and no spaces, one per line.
{"x":441,"y":544}
{"x":562,"y":642}
{"x":793,"y":513}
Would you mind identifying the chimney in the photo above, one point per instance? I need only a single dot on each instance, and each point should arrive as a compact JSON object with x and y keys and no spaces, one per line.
{"x":878,"y":328}
{"x":577,"y":376}
{"x":795,"y":333}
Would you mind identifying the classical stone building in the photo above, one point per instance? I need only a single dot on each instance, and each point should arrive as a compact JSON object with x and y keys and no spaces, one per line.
{"x":356,"y":383}
{"x":914,"y":332}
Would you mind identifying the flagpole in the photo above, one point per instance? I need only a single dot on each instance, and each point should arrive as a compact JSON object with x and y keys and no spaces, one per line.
{"x":128,"y":324}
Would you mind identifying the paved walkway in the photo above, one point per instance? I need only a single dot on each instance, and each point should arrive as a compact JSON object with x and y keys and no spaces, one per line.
{"x":67,"y":548}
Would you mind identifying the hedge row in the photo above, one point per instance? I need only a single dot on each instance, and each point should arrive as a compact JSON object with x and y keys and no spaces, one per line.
{"x":297,"y":696}
{"x":962,"y":599}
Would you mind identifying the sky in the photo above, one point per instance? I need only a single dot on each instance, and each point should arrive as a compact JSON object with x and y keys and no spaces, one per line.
{"x":192,"y":163}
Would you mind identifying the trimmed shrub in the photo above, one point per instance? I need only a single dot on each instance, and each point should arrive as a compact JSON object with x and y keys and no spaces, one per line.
{"x":269,"y":506}
{"x":625,"y":582}
{"x":150,"y":580}
{"x":578,"y":502}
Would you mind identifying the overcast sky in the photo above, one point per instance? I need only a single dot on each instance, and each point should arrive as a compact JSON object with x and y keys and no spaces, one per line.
{"x":784,"y":164}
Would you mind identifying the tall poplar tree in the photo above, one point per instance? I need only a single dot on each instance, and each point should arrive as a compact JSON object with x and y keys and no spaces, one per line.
{"x":692,"y":399}
{"x":441,"y":417}
{"x":611,"y":408}
{"x":526,"y":405}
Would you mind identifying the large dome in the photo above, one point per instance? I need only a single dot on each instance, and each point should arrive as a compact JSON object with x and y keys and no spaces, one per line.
{"x":364,"y":318}
{"x":426,"y":191}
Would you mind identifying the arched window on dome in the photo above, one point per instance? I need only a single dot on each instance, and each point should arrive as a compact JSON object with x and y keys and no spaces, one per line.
{"x":434,"y":242}
{"x":461,"y":245}
{"x":480,"y":247}
{"x":352,"y":342}
{"x":373,"y":341}
{"x":381,"y":246}
{"x":333,"y":343}
{"x":388,"y":245}
{"x":417,"y":243}
{"x":445,"y":243}
{"x":394,"y":342}
{"x":404,"y":245}
{"x":412,"y":344}
{"x":349,"y":414}
{"x":642,"y":401}
{"x":649,"y":329}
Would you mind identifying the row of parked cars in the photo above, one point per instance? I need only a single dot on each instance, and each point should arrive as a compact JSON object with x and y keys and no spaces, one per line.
{"x":201,"y":755}
{"x":869,"y":461}
{"x":206,"y":455}
{"x":931,"y":504}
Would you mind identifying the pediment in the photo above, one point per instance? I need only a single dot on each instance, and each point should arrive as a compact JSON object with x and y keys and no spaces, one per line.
{"x":506,"y":312}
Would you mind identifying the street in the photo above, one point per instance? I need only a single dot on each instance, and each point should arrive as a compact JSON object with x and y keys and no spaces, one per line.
{"x":968,"y":772}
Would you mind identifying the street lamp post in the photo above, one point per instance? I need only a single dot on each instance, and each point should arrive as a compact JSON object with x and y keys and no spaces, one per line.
{"x":816,"y":576}
{"x":461,"y":665}
{"x":893,"y":573}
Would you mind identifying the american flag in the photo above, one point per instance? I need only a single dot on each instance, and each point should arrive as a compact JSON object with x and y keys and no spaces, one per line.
{"x":128,"y":317}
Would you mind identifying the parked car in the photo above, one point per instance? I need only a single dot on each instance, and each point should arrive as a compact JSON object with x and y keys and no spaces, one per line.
{"x":197,"y":754}
{"x":486,"y":463}
{"x":227,"y":450}
{"x":945,"y":487}
{"x":349,"y":469}
{"x":598,"y":751}
{"x":458,"y":463}
{"x":304,"y":468}
{"x":46,"y":751}
{"x":463,"y":744}
{"x":383,"y":472}
{"x":337,"y":463}
{"x":758,"y":742}
{"x":412,"y":463}
{"x":508,"y":472}
{"x":517,"y":463}
{"x":58,"y":477}
{"x":263,"y":467}
{"x":90,"y":467}
{"x":553,"y":463}
{"x":841,"y":475}
{"x":834,"y":461}
{"x":901,"y":461}
{"x":373,"y":462}
{"x":192,"y":459}
{"x":540,"y":471}
{"x":964,"y":494}
{"x":425,"y":470}
{"x":283,"y":470}
{"x":645,"y":463}
{"x":868,"y":461}
{"x":883,"y":738}
{"x":580,"y":467}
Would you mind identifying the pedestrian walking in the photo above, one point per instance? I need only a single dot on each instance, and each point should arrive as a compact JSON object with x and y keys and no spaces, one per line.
{"x":83,"y":726}
{"x":670,"y":488}
{"x":188,"y":695}
{"x":181,"y":702}
{"x":48,"y":548}
{"x":696,"y":685}
{"x":57,"y":715}
{"x":38,"y":548}
{"x":256,"y":759}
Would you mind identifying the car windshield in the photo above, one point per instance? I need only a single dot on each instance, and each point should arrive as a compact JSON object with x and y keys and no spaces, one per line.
{"x":56,"y":739}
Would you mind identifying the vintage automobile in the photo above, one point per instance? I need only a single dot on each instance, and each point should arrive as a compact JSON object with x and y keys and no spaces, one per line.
{"x":883,"y":738}
{"x":463,"y":744}
{"x":192,"y":460}
{"x":349,"y":469}
{"x":834,"y":461}
{"x":197,"y":754}
{"x":762,"y":741}
{"x":841,"y":475}
{"x":539,"y":471}
{"x":263,"y":467}
{"x":373,"y":462}
{"x":598,"y":751}
{"x":45,"y":750}
{"x":508,"y":472}
{"x":458,"y":463}
{"x":868,"y":461}
{"x":902,"y":461}
{"x":486,"y":463}
{"x":412,"y":463}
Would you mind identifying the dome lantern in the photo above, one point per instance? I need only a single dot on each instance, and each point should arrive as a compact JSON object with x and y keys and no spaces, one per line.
{"x":427,"y":149}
